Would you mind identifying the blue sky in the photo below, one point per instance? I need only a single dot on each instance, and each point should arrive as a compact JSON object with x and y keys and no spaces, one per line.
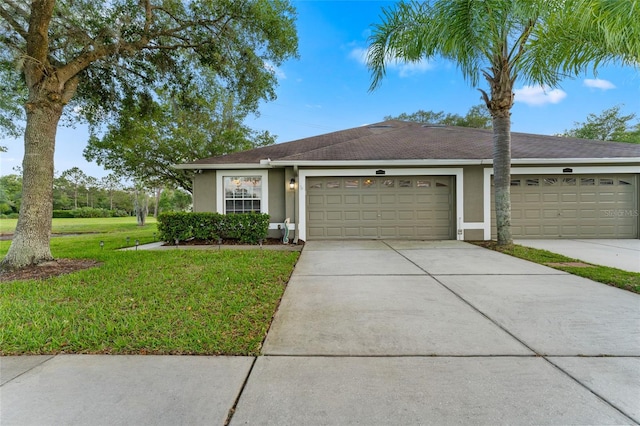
{"x":326,"y":89}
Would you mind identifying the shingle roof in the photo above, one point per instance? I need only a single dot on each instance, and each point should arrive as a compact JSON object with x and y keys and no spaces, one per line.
{"x":401,"y":140}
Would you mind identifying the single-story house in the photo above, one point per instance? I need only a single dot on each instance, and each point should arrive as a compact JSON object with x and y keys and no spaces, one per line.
{"x":399,"y":179}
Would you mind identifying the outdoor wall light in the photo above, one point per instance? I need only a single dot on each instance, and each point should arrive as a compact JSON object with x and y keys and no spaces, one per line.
{"x":292,"y":183}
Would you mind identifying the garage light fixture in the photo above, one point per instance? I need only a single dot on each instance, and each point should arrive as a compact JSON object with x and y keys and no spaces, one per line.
{"x":292,"y":183}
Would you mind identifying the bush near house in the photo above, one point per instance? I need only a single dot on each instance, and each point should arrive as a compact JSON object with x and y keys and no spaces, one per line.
{"x":245,"y":227}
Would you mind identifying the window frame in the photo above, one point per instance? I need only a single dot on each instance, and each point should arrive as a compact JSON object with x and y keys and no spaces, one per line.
{"x":220,"y":194}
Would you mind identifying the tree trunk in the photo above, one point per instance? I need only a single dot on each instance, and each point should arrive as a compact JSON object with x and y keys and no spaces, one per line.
{"x":502,"y":177}
{"x":157,"y":202}
{"x":30,"y":245}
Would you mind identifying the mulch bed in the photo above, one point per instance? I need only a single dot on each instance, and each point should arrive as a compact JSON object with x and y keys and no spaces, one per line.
{"x":48,"y":269}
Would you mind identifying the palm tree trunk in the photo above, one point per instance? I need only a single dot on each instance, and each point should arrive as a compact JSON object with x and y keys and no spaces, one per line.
{"x":502,"y":177}
{"x":30,"y":245}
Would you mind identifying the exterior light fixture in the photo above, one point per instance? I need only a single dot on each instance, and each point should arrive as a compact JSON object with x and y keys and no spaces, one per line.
{"x":137,"y":242}
{"x":101,"y":244}
{"x":292,"y":183}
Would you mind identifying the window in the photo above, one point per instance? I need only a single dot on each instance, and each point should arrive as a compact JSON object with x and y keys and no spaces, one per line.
{"x":388,"y":183}
{"x":587,"y":181}
{"x":606,"y":181}
{"x":351,"y":183}
{"x":332,"y":184}
{"x":368,"y":183}
{"x":404,"y":183}
{"x":533,"y":182}
{"x":550,"y":181}
{"x":242,"y":194}
{"x":423,"y":183}
{"x":515,"y":182}
{"x":569,"y":181}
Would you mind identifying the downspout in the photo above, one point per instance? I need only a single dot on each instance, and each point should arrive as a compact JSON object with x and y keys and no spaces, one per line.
{"x":295,"y":212}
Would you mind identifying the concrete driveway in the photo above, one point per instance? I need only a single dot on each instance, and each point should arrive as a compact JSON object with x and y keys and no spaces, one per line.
{"x":621,"y":254}
{"x":377,"y":333}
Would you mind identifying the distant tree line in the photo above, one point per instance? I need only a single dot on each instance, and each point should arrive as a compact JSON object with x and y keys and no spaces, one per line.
{"x":610,"y":125}
{"x":75,"y":191}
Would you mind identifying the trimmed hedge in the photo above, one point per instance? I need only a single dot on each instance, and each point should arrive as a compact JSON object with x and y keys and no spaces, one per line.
{"x":181,"y":226}
{"x":88,"y":212}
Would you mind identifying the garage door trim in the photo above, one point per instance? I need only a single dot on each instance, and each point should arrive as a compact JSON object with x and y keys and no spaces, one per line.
{"x":452,"y":171}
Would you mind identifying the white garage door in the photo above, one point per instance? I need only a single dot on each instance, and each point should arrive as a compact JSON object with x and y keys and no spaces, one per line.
{"x":419,"y":207}
{"x":574,"y":206}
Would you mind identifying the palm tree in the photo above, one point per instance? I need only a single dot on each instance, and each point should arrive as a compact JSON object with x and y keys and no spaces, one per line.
{"x":534,"y":41}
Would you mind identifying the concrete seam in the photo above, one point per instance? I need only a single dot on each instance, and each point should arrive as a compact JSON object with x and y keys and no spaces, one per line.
{"x":232,"y":410}
{"x":466,"y":302}
{"x":26,"y":371}
{"x":597,"y":395}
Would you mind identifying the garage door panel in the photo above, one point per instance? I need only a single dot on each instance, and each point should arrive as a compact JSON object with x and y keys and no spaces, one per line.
{"x":389,"y":207}
{"x":573,"y":206}
{"x":334,"y":216}
{"x":387,"y":199}
{"x":352,"y":215}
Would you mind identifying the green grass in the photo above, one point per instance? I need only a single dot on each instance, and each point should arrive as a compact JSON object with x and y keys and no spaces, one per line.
{"x":82,"y":225}
{"x":604,"y":274}
{"x":145,"y":302}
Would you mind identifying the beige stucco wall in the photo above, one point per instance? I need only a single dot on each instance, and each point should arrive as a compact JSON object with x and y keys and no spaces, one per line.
{"x":276,"y":195}
{"x":473,"y":196}
{"x":204,"y":190}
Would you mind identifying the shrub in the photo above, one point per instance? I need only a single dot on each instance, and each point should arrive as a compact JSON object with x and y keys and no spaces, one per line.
{"x":63,"y":214}
{"x":90,"y":212}
{"x":181,"y":226}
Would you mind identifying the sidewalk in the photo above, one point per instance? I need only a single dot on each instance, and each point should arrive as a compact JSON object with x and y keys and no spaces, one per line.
{"x":377,"y":333}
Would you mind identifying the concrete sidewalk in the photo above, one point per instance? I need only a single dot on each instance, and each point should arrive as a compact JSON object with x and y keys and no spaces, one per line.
{"x":373,"y":332}
{"x":621,"y":254}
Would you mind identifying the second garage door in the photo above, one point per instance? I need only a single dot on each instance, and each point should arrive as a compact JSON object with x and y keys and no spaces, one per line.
{"x":582,"y":206}
{"x":380,"y":207}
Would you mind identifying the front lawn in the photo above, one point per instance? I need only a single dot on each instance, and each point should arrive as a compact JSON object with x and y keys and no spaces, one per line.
{"x":604,"y":274}
{"x":145,"y":302}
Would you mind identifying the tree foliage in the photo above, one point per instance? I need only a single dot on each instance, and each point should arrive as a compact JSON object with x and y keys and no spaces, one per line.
{"x":531,"y":41}
{"x":85,"y":58}
{"x":151,"y":134}
{"x":478,"y":117}
{"x":610,"y":125}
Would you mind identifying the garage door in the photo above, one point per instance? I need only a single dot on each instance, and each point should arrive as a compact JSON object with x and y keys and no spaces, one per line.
{"x":380,"y":207}
{"x":576,"y":206}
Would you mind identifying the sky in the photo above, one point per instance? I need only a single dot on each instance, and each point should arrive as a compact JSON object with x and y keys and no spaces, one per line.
{"x":327,"y":89}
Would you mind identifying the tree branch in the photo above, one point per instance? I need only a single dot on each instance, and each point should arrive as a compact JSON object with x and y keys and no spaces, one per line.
{"x":12,"y":22}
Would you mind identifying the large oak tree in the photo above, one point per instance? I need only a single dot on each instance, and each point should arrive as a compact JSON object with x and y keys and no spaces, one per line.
{"x":504,"y":42}
{"x":83,"y":57}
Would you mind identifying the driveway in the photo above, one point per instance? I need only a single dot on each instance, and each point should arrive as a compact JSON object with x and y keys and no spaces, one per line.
{"x":621,"y":254}
{"x":373,"y":332}
{"x":405,"y":332}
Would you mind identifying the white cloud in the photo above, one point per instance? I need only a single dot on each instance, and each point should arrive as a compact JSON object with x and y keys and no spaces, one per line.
{"x":277,"y":71}
{"x":596,"y":83}
{"x":539,"y":95}
{"x":404,"y":69}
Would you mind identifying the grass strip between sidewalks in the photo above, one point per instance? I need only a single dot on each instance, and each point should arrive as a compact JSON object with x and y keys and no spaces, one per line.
{"x":611,"y":276}
{"x":145,"y":302}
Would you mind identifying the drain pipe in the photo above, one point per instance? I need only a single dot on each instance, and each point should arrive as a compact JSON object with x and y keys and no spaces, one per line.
{"x":295,"y":213}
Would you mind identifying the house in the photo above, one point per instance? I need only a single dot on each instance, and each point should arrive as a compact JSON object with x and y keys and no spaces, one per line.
{"x":399,"y":179}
